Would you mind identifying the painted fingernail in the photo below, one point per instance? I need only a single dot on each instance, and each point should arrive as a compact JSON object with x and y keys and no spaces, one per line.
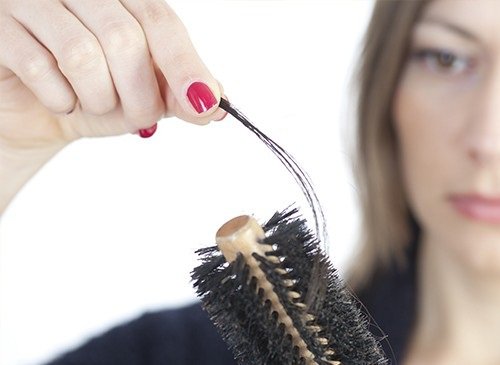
{"x":201,"y":97}
{"x":148,"y":132}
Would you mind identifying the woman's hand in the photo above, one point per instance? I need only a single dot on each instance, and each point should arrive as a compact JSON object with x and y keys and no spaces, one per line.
{"x":84,"y":68}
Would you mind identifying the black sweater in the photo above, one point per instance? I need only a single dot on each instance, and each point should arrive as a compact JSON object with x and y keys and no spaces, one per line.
{"x":185,"y":336}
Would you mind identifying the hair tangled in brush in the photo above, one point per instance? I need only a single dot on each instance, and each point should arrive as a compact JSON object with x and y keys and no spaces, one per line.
{"x":322,"y":311}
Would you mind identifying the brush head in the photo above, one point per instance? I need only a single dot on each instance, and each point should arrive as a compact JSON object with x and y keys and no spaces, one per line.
{"x":283,"y":302}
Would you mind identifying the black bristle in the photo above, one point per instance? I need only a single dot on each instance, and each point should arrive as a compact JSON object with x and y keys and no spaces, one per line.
{"x":248,"y":324}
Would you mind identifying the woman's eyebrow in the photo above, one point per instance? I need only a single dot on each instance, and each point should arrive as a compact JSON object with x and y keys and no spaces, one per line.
{"x":451,"y":27}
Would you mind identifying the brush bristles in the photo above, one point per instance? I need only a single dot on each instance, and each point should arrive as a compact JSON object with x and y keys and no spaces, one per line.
{"x":322,"y":323}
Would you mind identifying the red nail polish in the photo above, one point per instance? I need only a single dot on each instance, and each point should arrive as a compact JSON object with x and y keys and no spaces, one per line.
{"x":148,"y":132}
{"x":201,"y":97}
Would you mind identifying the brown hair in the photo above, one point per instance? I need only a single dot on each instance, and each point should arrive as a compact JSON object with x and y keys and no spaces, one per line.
{"x":385,"y":217}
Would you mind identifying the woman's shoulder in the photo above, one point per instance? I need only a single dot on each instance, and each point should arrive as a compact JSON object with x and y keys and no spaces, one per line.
{"x":389,"y":301}
{"x":181,"y":336}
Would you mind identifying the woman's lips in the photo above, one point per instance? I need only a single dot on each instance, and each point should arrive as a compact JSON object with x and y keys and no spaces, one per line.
{"x":478,"y":207}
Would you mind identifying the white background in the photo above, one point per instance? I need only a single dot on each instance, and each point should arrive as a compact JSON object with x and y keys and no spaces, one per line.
{"x":107,"y":229}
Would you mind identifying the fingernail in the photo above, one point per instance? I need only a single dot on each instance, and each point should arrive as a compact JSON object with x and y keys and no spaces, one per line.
{"x":200,"y":96}
{"x":148,"y":132}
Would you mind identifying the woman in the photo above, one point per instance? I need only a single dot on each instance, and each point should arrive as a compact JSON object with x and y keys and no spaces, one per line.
{"x":426,"y":163}
{"x":428,"y":174}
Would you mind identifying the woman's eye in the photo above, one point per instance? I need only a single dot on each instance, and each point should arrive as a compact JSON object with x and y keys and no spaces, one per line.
{"x":443,"y":61}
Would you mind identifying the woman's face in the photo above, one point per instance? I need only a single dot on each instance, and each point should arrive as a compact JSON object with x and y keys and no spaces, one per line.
{"x":447,"y":118}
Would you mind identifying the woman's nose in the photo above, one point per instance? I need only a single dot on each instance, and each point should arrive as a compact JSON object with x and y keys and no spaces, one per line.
{"x":482,"y":134}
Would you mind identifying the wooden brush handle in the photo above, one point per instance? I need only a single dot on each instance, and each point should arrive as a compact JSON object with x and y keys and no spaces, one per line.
{"x":241,"y":235}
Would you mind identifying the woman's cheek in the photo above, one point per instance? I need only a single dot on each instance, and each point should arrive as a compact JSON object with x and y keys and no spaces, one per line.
{"x":423,"y":145}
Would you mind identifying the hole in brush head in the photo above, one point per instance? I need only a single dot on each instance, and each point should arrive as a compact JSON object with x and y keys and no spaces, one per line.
{"x":234,"y":225}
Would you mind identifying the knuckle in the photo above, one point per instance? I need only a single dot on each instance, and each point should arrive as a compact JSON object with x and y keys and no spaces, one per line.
{"x":63,"y":105}
{"x":157,"y":12}
{"x":36,"y":67}
{"x":124,"y":38}
{"x":183,"y":59}
{"x":80,"y":54}
{"x":101,"y":107}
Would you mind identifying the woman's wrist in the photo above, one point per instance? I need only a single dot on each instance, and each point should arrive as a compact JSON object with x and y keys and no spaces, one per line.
{"x":18,"y":166}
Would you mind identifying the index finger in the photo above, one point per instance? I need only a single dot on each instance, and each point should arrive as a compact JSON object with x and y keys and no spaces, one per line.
{"x":193,"y":86}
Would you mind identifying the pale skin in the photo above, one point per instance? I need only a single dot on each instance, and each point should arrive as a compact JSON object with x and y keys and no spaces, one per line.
{"x":114,"y":65}
{"x":71,"y":69}
{"x":447,"y":118}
